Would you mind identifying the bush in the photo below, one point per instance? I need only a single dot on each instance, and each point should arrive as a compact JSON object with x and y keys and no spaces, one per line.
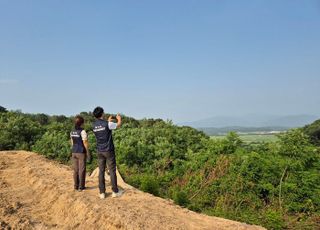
{"x":181,"y":198}
{"x":54,"y":145}
{"x":149,"y":184}
{"x":313,"y":130}
{"x":273,"y":220}
{"x":3,"y":109}
{"x":18,"y":131}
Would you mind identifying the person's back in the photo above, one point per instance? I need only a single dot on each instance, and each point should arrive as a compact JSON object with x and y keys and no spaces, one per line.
{"x":77,"y":140}
{"x":80,"y":152}
{"x":103,"y":136}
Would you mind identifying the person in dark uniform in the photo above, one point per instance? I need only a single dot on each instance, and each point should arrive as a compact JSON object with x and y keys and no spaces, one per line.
{"x":105,"y":149}
{"x":80,"y":153}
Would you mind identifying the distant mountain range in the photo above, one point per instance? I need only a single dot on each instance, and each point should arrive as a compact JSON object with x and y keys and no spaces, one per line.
{"x":290,"y":121}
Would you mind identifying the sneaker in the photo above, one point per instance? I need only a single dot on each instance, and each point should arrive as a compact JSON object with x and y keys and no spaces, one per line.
{"x":102,"y":196}
{"x":117,"y":194}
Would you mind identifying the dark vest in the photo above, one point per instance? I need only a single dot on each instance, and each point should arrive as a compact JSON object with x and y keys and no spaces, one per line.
{"x":78,"y":146}
{"x":103,"y":136}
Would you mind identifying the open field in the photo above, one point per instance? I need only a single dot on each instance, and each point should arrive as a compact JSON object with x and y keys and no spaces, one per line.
{"x":253,"y":138}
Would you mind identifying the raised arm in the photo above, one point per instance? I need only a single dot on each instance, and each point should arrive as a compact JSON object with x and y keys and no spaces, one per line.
{"x":113,"y":125}
{"x":119,"y":121}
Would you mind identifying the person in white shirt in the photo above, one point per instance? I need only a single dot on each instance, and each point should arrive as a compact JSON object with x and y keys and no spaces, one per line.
{"x":102,"y":130}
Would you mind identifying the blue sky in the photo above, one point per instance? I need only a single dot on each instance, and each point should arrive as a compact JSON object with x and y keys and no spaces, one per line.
{"x":178,"y":59}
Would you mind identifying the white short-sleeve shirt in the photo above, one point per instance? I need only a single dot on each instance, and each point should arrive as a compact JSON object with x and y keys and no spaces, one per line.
{"x":84,"y":135}
{"x":112,"y":125}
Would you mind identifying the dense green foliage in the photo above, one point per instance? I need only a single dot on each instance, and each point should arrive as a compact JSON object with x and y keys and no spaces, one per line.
{"x":18,"y":131}
{"x":276,"y":185}
{"x":313,"y":130}
{"x":3,"y":109}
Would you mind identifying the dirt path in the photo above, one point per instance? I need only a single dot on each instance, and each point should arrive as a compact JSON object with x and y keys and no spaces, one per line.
{"x":36,"y":193}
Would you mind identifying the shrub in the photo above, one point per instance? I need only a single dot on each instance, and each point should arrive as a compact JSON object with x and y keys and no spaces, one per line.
{"x":18,"y":131}
{"x":181,"y":198}
{"x":149,"y":184}
{"x":54,"y":145}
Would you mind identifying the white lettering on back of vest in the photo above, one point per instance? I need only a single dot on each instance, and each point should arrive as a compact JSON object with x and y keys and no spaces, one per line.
{"x":74,"y":134}
{"x":99,"y":128}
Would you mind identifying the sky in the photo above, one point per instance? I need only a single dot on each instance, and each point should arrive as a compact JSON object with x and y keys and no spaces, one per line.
{"x":182,"y":60}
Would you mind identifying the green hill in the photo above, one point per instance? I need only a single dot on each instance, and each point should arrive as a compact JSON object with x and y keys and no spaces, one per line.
{"x":313,"y":130}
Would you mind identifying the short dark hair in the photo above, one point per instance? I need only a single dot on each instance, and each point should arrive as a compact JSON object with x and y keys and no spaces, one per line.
{"x":98,"y":112}
{"x":78,"y":121}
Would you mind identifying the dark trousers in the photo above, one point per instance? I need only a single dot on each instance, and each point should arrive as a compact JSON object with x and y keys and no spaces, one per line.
{"x":79,"y":170}
{"x":108,"y":158}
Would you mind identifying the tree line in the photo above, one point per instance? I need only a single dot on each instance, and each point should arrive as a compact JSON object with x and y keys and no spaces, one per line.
{"x":276,"y":185}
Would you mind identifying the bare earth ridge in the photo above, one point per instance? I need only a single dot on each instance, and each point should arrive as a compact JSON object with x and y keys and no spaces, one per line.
{"x":36,"y":193}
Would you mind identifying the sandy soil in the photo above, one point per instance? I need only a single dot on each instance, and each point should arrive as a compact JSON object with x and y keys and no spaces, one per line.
{"x":36,"y":193}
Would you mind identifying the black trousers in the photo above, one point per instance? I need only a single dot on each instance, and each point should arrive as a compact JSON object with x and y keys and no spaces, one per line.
{"x":79,"y":170}
{"x":108,"y":158}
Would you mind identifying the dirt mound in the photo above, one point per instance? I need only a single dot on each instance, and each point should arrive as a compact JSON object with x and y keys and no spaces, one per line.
{"x":121,"y":183}
{"x":36,"y":193}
